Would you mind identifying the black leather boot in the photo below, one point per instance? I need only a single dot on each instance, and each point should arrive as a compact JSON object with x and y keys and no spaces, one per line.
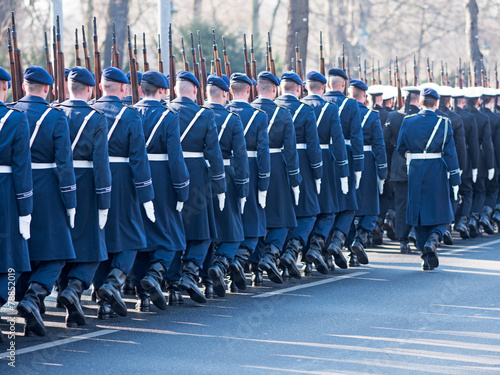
{"x":104,"y":310}
{"x":425,"y":263}
{"x":430,"y":248}
{"x":447,"y":238}
{"x":218,"y":274}
{"x":29,"y":308}
{"x":189,"y":282}
{"x":143,"y":299}
{"x":232,"y":285}
{"x":412,"y":236}
{"x":461,"y":227}
{"x":174,"y":294}
{"x":335,"y":248}
{"x":328,"y":259}
{"x":285,"y":275}
{"x":308,"y":269}
{"x":404,"y":247}
{"x":110,"y":291}
{"x":485,"y":220}
{"x":257,"y":278}
{"x":377,"y":232}
{"x":268,"y":263}
{"x":389,"y":224}
{"x":209,"y":287}
{"x":70,"y":298}
{"x":474,"y":225}
{"x":496,"y":215}
{"x":353,"y":259}
{"x":288,"y":259}
{"x":152,"y":284}
{"x":316,"y":244}
{"x":237,"y":268}
{"x":358,"y":246}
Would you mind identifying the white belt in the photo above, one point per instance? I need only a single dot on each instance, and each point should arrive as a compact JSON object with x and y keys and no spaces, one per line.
{"x":5,"y":169}
{"x":324,"y":147}
{"x":252,"y":154}
{"x":158,"y":157}
{"x":83,"y":164}
{"x":188,"y":154}
{"x":424,"y":156}
{"x":367,"y":148}
{"x":118,"y":159}
{"x":274,"y":150}
{"x":348,"y":142}
{"x":43,"y":165}
{"x":301,"y":146}
{"x":227,"y":162}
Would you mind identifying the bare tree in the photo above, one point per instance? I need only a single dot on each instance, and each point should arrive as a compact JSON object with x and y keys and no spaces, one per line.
{"x":118,"y":13}
{"x":472,"y":33}
{"x":298,"y":21}
{"x":197,"y":10}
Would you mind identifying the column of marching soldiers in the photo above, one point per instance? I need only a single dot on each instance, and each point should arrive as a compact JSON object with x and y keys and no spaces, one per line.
{"x":98,"y":192}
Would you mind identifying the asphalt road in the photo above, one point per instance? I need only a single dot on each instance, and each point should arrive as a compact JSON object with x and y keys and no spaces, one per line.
{"x":388,"y":317}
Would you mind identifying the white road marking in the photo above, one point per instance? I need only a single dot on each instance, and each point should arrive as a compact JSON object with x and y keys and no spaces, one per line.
{"x":470,"y":247}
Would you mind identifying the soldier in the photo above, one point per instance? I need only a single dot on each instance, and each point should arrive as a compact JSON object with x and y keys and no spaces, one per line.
{"x":132,"y":187}
{"x":255,"y":123}
{"x":399,"y":174}
{"x":285,"y":176}
{"x":426,"y":141}
{"x":198,"y":142}
{"x":16,"y":192}
{"x":54,"y":198}
{"x":128,"y":98}
{"x":229,"y":223}
{"x":170,"y":177}
{"x":375,"y":170}
{"x":311,"y":167}
{"x":88,"y":130}
{"x":335,"y":162}
{"x":353,"y":134}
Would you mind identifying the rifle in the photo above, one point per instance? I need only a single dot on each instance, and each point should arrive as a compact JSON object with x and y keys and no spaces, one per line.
{"x":171,"y":63}
{"x":378,"y":73}
{"x":482,"y":74}
{"x":17,"y":60}
{"x":268,"y":67}
{"x":203,"y":67}
{"x":272,"y":65}
{"x":496,"y":76}
{"x":49,"y":64}
{"x":134,"y":80}
{"x":399,"y":101}
{"x":443,"y":79}
{"x":184,"y":58}
{"x":86,"y":51}
{"x":61,"y":92}
{"x":475,"y":75}
{"x":429,"y":75}
{"x":432,"y":70}
{"x":78,"y":60}
{"x":364,"y":72}
{"x":460,"y":75}
{"x":160,"y":61}
{"x":374,"y":81}
{"x":406,"y":76}
{"x":135,"y":52}
{"x":342,"y":60}
{"x":348,"y":70}
{"x":415,"y":71}
{"x":469,"y":77}
{"x":54,"y":52}
{"x":196,"y":72}
{"x":390,"y":73}
{"x":227,"y":64}
{"x":446,"y":74}
{"x":13,"y":73}
{"x":321,"y":58}
{"x":218,"y":66}
{"x":116,"y":54}
{"x":248,"y":67}
{"x":97,"y":63}
{"x":298,"y":60}
{"x":360,"y":73}
{"x":145,"y":53}
{"x":254,"y":66}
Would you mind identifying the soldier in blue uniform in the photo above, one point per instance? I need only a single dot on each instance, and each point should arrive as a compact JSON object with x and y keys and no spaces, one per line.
{"x":374,"y":174}
{"x":128,"y":98}
{"x":426,"y":140}
{"x":166,"y":235}
{"x":54,"y":197}
{"x":16,"y":191}
{"x":353,"y":135}
{"x":131,"y":187}
{"x":230,"y":231}
{"x":255,"y":123}
{"x":88,"y":130}
{"x":285,"y":176}
{"x":335,"y":163}
{"x":311,"y":167}
{"x":199,"y":141}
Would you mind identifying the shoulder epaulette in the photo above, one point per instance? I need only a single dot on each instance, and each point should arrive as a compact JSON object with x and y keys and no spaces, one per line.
{"x":232,"y":112}
{"x":170,"y":109}
{"x":409,"y":116}
{"x":351,"y":98}
{"x":374,"y":110}
{"x":260,"y":110}
{"x":443,"y":118}
{"x":302,"y":102}
{"x":210,"y":109}
{"x":129,"y":106}
{"x":14,"y":109}
{"x":54,"y":107}
{"x":13,"y":103}
{"x":95,"y":109}
{"x":277,"y":105}
{"x":330,"y":102}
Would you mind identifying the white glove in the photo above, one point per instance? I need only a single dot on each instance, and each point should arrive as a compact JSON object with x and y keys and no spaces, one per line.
{"x":318,"y":185}
{"x":71,"y":212}
{"x":296,"y":194}
{"x":242,"y":205}
{"x":24,"y":226}
{"x":358,"y":178}
{"x":344,"y":182}
{"x":262,"y":198}
{"x":455,"y":192}
{"x":222,"y":200}
{"x":380,"y":184}
{"x":460,"y":171}
{"x":180,"y":206}
{"x":150,"y":210}
{"x":474,"y":175}
{"x":491,"y":174}
{"x":103,"y":218}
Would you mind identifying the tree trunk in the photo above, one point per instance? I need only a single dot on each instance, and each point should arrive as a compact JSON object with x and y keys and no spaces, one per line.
{"x":472,"y":34}
{"x":117,"y":13}
{"x":197,"y":10}
{"x":298,"y":21}
{"x":255,"y":21}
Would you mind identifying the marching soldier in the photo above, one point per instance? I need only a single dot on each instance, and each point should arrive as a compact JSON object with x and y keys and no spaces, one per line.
{"x":88,"y":130}
{"x":128,"y":98}
{"x":132,"y":187}
{"x":426,"y":141}
{"x":353,"y":134}
{"x":199,"y":141}
{"x":255,"y":123}
{"x":230,"y":231}
{"x":311,"y":167}
{"x":285,"y":176}
{"x":54,"y":197}
{"x":16,"y":192}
